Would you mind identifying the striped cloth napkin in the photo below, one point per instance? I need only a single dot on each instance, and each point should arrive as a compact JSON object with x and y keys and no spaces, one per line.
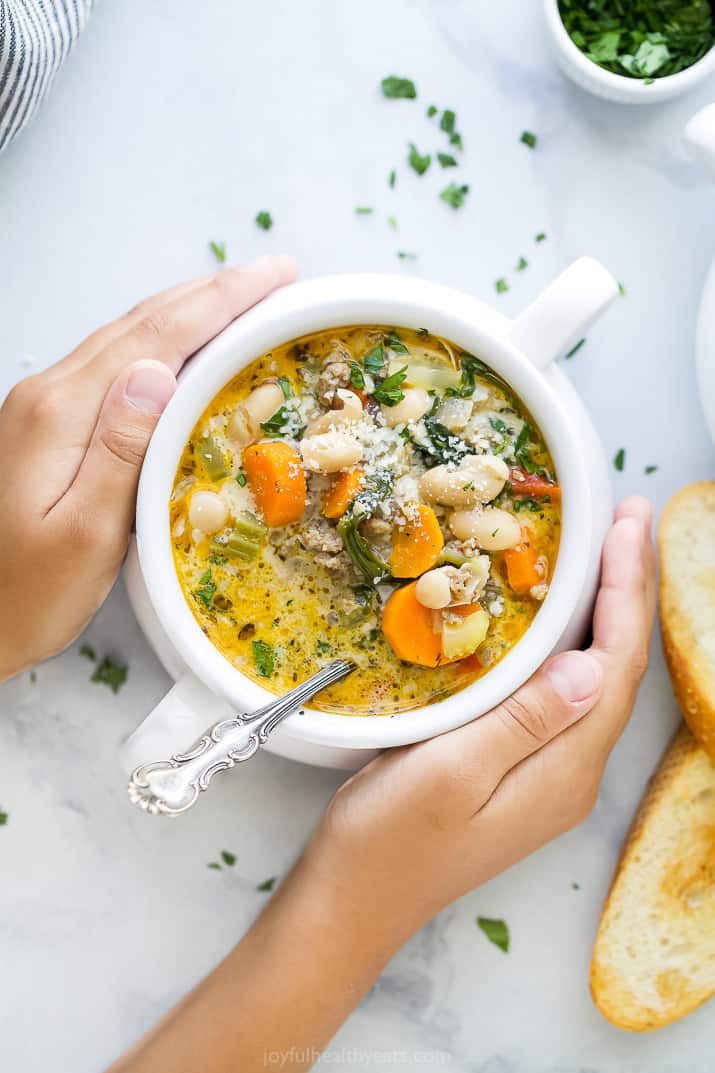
{"x":36,"y":36}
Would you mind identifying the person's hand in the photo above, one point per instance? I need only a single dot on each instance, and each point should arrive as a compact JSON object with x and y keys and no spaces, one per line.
{"x":72,"y":441}
{"x":423,"y":824}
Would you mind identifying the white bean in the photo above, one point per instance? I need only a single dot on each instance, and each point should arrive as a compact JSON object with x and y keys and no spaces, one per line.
{"x":329,"y":452}
{"x":208,"y":512}
{"x":477,"y":479}
{"x":412,"y":407}
{"x":490,"y":528}
{"x":350,"y":402}
{"x":245,"y":424}
{"x":433,"y":589}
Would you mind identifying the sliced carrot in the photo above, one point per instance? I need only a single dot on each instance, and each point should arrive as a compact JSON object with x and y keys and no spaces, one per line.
{"x":277,"y":480}
{"x":416,"y":544}
{"x":521,"y":565}
{"x":531,"y":484}
{"x":342,"y":493}
{"x":409,"y":628}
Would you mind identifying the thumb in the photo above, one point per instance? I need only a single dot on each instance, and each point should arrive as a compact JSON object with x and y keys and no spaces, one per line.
{"x":105,"y":486}
{"x":562,"y":691}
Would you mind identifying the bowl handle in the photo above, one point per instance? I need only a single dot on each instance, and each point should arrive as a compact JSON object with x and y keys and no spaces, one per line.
{"x":561,"y":314}
{"x":699,"y":137}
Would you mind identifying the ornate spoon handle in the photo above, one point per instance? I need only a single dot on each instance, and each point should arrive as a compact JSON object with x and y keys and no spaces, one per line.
{"x":170,"y":787}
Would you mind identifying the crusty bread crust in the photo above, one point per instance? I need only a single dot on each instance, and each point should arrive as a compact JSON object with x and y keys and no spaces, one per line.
{"x":654,"y":955}
{"x":692,"y":670}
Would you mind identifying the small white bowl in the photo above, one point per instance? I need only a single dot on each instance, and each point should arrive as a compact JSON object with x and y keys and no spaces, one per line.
{"x":612,"y":87}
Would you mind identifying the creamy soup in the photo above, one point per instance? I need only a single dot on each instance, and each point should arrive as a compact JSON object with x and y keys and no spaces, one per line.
{"x":369,"y":493}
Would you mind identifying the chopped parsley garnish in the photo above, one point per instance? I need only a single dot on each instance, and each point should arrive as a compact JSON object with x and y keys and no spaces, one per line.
{"x":88,"y":652}
{"x":392,"y":179}
{"x":441,"y":446}
{"x":392,"y":221}
{"x":228,"y":858}
{"x":396,"y":88}
{"x":357,"y":380}
{"x":454,"y":195}
{"x":496,"y":931}
{"x":576,"y":348}
{"x":388,"y":391}
{"x":284,"y":421}
{"x":111,"y":674}
{"x":540,"y":237}
{"x":432,"y":111}
{"x":264,"y":220}
{"x":644,"y":39}
{"x":322,"y":648}
{"x":501,"y":286}
{"x":528,"y":138}
{"x":267,"y":884}
{"x":364,"y":210}
{"x":4,"y":817}
{"x":405,"y":255}
{"x":423,"y":331}
{"x":417,"y":161}
{"x":218,"y":249}
{"x":241,"y":479}
{"x":527,"y":503}
{"x":206,"y":590}
{"x":286,"y":387}
{"x":521,"y":264}
{"x":394,"y":343}
{"x":650,"y":469}
{"x":375,"y":360}
{"x":264,"y":657}
{"x":619,"y":461}
{"x":447,"y":160}
{"x":522,"y":451}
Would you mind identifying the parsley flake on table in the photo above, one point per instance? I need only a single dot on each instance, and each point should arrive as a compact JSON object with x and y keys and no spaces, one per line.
{"x":418,"y":162}
{"x":4,"y":817}
{"x":392,"y":179}
{"x":650,"y":469}
{"x":228,"y":858}
{"x":575,"y":349}
{"x":496,"y":931}
{"x":619,"y":461}
{"x":111,"y":674}
{"x":264,"y":657}
{"x":454,"y":195}
{"x":363,"y":210}
{"x":404,"y":255}
{"x":432,"y":111}
{"x":215,"y":865}
{"x":621,"y":289}
{"x":218,"y":249}
{"x":392,"y":221}
{"x":396,"y":88}
{"x":501,"y":286}
{"x":521,"y":264}
{"x":267,"y":884}
{"x":448,"y":120}
{"x":88,"y":652}
{"x":540,"y":237}
{"x":447,"y":160}
{"x":529,"y":138}
{"x":264,"y":220}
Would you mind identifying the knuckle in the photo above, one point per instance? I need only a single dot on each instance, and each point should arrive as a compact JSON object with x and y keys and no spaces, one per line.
{"x":153,"y":325}
{"x":125,"y":444}
{"x":45,"y":404}
{"x":527,"y":718}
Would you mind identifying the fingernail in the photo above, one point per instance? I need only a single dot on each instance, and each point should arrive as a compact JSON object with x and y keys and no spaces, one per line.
{"x":150,"y":386}
{"x":576,"y":676}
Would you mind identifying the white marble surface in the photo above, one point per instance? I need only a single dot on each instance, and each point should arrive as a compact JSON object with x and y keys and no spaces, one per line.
{"x":174,"y":123}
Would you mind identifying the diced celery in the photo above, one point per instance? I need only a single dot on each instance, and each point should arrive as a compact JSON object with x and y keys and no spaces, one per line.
{"x":244,"y":541}
{"x":212,"y":457}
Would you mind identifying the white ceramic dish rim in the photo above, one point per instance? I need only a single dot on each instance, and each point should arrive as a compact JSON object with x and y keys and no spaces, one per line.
{"x":622,"y":85}
{"x":333,"y":302}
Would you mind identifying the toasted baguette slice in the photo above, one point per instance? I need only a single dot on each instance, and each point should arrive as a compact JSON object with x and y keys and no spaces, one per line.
{"x":654,"y":956}
{"x":686,"y":539}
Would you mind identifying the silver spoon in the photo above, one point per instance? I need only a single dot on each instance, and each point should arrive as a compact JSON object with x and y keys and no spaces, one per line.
{"x":170,"y":787}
